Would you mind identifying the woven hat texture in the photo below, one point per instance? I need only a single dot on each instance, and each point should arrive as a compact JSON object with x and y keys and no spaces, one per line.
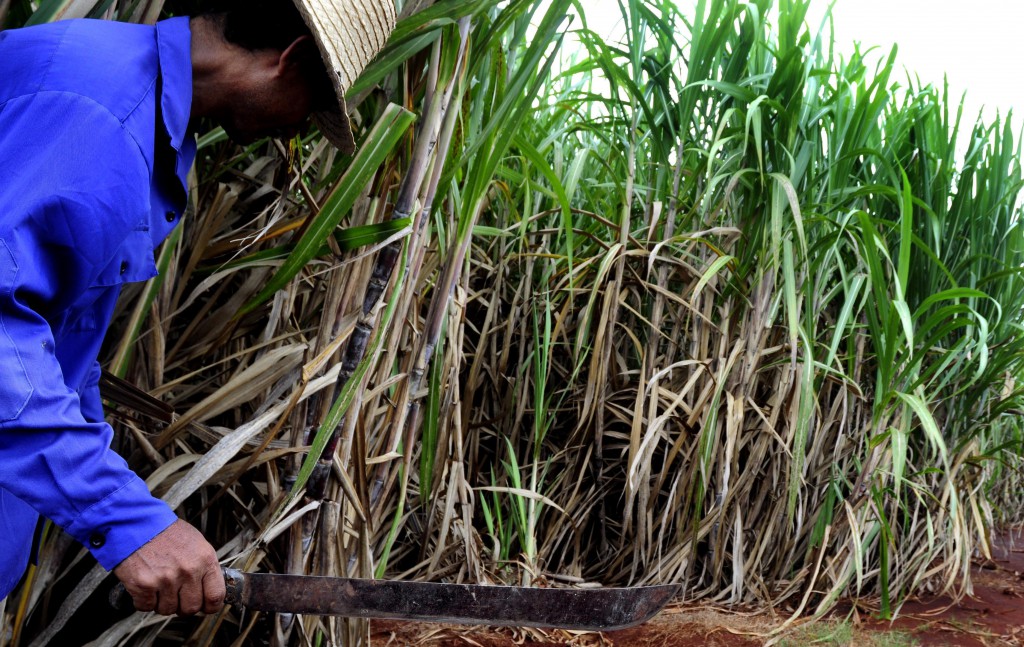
{"x":349,"y":33}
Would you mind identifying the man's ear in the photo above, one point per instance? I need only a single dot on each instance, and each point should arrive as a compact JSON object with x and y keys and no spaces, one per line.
{"x":303,"y":58}
{"x":301,"y":54}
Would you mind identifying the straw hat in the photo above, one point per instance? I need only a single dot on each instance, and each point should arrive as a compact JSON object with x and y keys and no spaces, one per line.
{"x":349,"y":33}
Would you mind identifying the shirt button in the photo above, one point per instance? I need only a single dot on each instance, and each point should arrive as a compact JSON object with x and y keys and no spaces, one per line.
{"x":170,"y":215}
{"x":96,"y":540}
{"x":124,"y":266}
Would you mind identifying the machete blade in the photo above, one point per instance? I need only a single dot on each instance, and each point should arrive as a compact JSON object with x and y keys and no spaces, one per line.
{"x":582,"y":609}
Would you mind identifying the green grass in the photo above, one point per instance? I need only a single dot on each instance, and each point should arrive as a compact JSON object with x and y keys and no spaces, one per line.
{"x":826,"y":634}
{"x":844,"y":634}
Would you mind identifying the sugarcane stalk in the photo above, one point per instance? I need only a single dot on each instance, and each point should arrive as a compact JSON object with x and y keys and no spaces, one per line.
{"x":383,"y":268}
{"x":611,"y":316}
{"x":659,"y":301}
{"x":657,"y":314}
{"x":380,"y":277}
{"x":441,"y":296}
{"x":300,"y":538}
{"x":658,"y":310}
{"x":444,"y":143}
{"x":412,"y":271}
{"x":409,"y":422}
{"x":300,"y":535}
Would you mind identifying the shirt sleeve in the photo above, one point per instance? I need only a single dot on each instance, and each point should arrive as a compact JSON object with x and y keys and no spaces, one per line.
{"x":91,"y":401}
{"x":73,"y":181}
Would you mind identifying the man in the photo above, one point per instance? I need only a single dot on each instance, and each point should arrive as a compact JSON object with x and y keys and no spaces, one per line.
{"x":96,"y":141}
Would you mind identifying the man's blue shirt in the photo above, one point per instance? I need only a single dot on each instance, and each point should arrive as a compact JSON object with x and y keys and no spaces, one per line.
{"x":94,"y":154}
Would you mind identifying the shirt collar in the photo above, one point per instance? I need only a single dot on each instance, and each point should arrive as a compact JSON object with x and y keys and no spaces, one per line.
{"x":174,"y":44}
{"x":174,"y":47}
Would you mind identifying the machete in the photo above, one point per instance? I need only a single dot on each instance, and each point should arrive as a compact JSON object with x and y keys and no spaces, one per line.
{"x":592,"y":609}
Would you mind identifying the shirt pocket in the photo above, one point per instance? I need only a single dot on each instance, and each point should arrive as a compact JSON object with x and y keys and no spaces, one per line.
{"x":15,"y":387}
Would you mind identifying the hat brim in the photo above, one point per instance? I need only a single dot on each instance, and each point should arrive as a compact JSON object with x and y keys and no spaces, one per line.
{"x":348,"y":33}
{"x":336,"y":127}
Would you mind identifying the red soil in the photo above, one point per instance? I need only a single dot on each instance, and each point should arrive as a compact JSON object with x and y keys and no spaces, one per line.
{"x":993,"y":615}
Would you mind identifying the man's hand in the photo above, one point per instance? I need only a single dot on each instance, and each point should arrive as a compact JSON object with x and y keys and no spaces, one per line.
{"x":175,"y":573}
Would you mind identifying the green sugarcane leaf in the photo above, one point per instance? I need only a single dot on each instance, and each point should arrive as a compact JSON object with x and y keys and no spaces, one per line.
{"x":918,"y":404}
{"x":903,"y":312}
{"x":712,"y":271}
{"x":49,"y":11}
{"x":389,"y":61}
{"x":906,"y":238}
{"x":555,"y":183}
{"x":381,"y":141}
{"x":348,"y":239}
{"x":948,"y":295}
{"x":343,"y":401}
{"x":352,"y":238}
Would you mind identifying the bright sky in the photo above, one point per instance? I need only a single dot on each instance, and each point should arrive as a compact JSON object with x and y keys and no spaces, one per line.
{"x":978,"y":44}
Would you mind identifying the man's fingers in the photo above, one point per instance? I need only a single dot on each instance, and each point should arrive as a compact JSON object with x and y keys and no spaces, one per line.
{"x":176,"y":572}
{"x":144,"y":600}
{"x":213,"y":590}
{"x":167,"y":599}
{"x":190,"y":598}
{"x":143,"y":593}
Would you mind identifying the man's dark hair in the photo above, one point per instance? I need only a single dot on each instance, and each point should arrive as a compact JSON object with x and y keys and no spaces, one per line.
{"x":252,"y":24}
{"x":264,"y":24}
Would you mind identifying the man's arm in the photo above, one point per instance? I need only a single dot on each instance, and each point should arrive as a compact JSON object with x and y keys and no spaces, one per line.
{"x":61,"y":465}
{"x":197,"y":582}
{"x":57,"y":196}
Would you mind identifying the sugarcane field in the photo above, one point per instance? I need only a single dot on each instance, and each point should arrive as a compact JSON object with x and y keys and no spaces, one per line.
{"x":465,"y":322}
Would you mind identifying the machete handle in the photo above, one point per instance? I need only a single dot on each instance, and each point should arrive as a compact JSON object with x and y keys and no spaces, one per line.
{"x":234,"y":581}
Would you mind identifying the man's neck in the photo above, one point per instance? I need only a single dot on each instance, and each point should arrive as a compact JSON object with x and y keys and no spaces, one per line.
{"x":215,"y":68}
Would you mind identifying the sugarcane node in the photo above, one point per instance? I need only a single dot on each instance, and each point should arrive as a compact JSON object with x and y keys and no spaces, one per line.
{"x":316,"y":490}
{"x":373,"y":292}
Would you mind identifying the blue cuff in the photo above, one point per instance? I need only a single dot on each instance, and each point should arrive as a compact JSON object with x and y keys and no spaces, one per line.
{"x":121,"y":523}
